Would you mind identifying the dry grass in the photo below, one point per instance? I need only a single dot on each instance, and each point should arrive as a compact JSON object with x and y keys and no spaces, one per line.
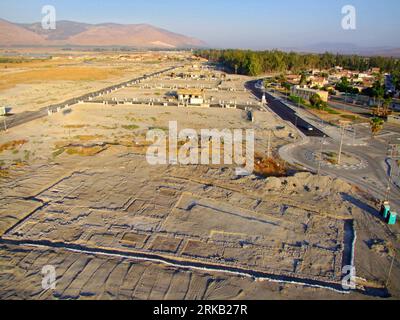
{"x":75,"y":149}
{"x":75,"y":126}
{"x":85,"y":151}
{"x":60,"y":144}
{"x":12,"y":145}
{"x":58,"y":152}
{"x":8,"y":81}
{"x":331,"y":157}
{"x":268,"y":167}
{"x":88,"y":137}
{"x":19,"y":164}
{"x":17,"y":63}
{"x":4,"y":173}
{"x":131,"y":127}
{"x":107,"y":127}
{"x":335,"y":118}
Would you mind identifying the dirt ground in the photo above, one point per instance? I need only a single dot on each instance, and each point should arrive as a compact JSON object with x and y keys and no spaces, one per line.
{"x":36,"y":83}
{"x":77,"y":193}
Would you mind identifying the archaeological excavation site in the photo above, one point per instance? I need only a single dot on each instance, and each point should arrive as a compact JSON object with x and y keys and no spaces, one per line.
{"x":78,"y":193}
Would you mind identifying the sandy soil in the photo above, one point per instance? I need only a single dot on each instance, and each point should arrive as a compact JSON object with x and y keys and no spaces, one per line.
{"x":29,"y":86}
{"x":77,"y":193}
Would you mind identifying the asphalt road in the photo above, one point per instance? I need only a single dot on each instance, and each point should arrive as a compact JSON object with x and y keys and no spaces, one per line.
{"x":286,"y":113}
{"x":373,"y":178}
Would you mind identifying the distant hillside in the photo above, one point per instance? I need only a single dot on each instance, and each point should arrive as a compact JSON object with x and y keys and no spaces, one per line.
{"x":83,"y":34}
{"x":65,"y":29}
{"x":349,"y":48}
{"x":14,"y":35}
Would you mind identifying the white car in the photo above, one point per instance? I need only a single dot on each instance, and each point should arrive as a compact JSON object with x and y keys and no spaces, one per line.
{"x":307,"y":127}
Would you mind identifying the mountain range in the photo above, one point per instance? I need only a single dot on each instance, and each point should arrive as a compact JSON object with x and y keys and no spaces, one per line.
{"x":69,"y":33}
{"x":83,"y":34}
{"x":347,"y":49}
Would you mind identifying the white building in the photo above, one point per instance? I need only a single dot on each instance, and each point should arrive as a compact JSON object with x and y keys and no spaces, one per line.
{"x":4,"y":111}
{"x":307,"y":93}
{"x":192,"y":97}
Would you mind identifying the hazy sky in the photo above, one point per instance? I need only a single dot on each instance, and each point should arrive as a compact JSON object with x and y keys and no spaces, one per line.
{"x":256,"y":24}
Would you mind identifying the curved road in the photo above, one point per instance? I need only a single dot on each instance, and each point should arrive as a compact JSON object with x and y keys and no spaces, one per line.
{"x":286,"y":113}
{"x":374,"y":178}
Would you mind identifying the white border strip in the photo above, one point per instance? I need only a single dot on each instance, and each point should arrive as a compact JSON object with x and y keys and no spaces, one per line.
{"x":190,"y":267}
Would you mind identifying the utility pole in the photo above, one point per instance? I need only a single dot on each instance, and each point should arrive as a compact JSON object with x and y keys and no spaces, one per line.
{"x":320,"y":156}
{"x":269,"y":145}
{"x":392,"y":149}
{"x":390,"y":270}
{"x":343,"y":125}
{"x":341,"y":146}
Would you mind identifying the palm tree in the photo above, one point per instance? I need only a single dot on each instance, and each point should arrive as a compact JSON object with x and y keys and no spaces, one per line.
{"x":387,"y":106}
{"x":303,"y":79}
{"x":376,"y":125}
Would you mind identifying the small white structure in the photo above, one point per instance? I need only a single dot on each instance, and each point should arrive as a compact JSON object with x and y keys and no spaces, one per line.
{"x":307,"y":93}
{"x":193,"y":97}
{"x":263,"y":100}
{"x":4,"y":111}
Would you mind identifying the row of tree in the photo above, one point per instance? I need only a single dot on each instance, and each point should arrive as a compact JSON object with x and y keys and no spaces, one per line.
{"x":258,"y":62}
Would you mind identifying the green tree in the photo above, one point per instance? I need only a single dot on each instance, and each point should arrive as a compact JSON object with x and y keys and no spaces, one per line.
{"x":303,"y":79}
{"x":345,"y":86}
{"x":257,"y":62}
{"x":254,"y":65}
{"x":378,"y":90}
{"x":316,"y":102}
{"x":376,"y":125}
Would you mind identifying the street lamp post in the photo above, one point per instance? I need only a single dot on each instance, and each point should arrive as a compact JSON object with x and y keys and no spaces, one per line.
{"x":343,"y":125}
{"x":391,"y":268}
{"x":392,"y":149}
{"x":269,"y":145}
{"x":341,"y":146}
{"x":320,"y":155}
